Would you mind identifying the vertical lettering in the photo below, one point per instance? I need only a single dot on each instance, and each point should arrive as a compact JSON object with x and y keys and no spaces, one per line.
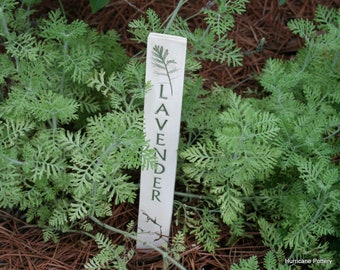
{"x":161,"y":92}
{"x":156,"y":182}
{"x":159,"y":168}
{"x":163,"y":157}
{"x":161,"y":126}
{"x":162,"y":109}
{"x":160,"y":139}
{"x":155,"y":194}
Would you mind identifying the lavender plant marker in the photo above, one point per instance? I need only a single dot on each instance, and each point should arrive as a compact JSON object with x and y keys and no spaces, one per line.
{"x":165,"y":65}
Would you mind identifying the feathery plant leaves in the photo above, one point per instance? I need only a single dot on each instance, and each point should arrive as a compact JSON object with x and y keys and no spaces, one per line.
{"x":159,"y":60}
{"x":58,"y":157}
{"x":250,"y":264}
{"x":211,"y":43}
{"x":23,"y":46}
{"x":110,"y":256}
{"x":141,"y":28}
{"x":71,"y":133}
{"x":276,"y":154}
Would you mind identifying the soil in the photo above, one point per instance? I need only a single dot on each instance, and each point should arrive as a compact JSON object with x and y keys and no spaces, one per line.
{"x":22,"y":245}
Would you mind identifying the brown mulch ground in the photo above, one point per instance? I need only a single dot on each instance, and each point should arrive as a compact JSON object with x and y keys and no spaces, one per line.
{"x":22,"y":245}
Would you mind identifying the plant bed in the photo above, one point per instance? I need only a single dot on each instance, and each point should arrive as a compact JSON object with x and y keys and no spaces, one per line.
{"x":49,"y":148}
{"x":23,"y":247}
{"x":263,"y":19}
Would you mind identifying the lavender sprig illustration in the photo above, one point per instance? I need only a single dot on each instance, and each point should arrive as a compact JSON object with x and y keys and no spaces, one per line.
{"x":159,"y":60}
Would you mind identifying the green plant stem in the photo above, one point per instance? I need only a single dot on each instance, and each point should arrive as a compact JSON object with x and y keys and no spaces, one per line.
{"x":189,"y":195}
{"x":98,"y":162}
{"x":6,"y":31}
{"x":193,"y":16}
{"x":206,"y":7}
{"x":62,"y":8}
{"x":336,"y":59}
{"x":54,"y":122}
{"x":333,"y":134}
{"x":307,"y":61}
{"x":173,"y":15}
{"x":80,"y":232}
{"x":4,"y":23}
{"x":133,"y":237}
{"x":14,"y":161}
{"x":62,"y":81}
{"x":313,"y":220}
{"x":206,"y":32}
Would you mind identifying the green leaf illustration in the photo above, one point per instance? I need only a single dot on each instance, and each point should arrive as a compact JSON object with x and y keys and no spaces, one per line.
{"x":159,"y":60}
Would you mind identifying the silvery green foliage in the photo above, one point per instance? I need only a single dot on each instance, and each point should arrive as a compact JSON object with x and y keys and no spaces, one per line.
{"x":72,"y":129}
{"x":110,"y":256}
{"x":274,"y":161}
{"x":211,"y":43}
{"x":71,"y":121}
{"x":66,"y":140}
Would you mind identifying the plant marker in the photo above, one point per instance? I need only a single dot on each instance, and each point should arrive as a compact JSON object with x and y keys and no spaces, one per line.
{"x":165,"y":65}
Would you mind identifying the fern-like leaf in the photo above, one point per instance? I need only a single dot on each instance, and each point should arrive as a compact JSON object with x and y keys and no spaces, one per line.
{"x":142,"y":27}
{"x":160,"y":61}
{"x":247,"y":264}
{"x":207,"y":231}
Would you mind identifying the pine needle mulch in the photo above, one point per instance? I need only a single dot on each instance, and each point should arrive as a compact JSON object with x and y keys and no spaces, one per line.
{"x":22,"y":245}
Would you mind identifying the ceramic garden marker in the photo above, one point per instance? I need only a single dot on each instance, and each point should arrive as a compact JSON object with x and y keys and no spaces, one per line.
{"x":165,"y":64}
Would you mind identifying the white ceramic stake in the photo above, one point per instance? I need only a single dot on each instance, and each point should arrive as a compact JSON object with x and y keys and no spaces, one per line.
{"x":165,"y":64}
